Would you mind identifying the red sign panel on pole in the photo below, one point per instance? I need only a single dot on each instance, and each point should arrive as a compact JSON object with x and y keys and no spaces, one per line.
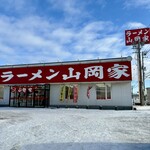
{"x":94,"y":72}
{"x":135,"y":35}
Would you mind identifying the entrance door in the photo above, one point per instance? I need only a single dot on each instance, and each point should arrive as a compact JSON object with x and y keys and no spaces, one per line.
{"x":39,"y":98}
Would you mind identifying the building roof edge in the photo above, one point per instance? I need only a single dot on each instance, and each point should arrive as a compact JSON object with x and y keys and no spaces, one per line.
{"x":129,"y":58}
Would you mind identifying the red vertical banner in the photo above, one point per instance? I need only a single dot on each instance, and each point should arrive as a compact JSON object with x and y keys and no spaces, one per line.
{"x":69,"y":92}
{"x":75,"y":93}
{"x":88,"y":91}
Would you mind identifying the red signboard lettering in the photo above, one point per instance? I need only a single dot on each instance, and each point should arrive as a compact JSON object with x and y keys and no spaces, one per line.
{"x":133,"y":36}
{"x":94,"y":72}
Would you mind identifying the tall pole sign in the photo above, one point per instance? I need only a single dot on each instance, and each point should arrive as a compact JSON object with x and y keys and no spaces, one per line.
{"x":137,"y":35}
{"x":137,"y":38}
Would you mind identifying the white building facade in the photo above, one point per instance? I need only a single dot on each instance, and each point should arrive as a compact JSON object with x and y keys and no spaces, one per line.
{"x":103,"y":84}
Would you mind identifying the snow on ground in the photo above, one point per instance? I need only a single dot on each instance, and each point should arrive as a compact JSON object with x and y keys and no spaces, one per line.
{"x":74,"y":129}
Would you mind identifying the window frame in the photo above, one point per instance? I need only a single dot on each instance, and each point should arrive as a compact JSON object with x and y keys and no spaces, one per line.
{"x":103,"y":91}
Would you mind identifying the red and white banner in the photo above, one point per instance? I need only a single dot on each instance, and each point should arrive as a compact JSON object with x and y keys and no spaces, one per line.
{"x":94,"y":72}
{"x":135,"y":35}
{"x":75,"y":93}
{"x":88,"y":91}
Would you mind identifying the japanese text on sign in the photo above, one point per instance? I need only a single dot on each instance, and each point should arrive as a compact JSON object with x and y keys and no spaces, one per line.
{"x":141,"y":35}
{"x":69,"y":73}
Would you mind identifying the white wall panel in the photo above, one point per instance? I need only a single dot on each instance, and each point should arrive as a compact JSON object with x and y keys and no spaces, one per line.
{"x":121,"y":95}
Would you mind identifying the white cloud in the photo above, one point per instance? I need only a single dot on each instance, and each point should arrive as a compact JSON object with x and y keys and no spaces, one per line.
{"x":99,"y":26}
{"x":63,"y":35}
{"x":134,"y":25}
{"x":23,"y":37}
{"x":137,"y":3}
{"x":74,"y":7}
{"x":34,"y":39}
{"x":47,"y":41}
{"x":67,"y":6}
{"x":75,"y":12}
{"x":93,"y":37}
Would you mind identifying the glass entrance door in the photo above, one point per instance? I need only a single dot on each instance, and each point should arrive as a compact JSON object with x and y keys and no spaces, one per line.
{"x":39,"y":98}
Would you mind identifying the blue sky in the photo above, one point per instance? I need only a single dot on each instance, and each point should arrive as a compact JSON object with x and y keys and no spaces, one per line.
{"x":38,"y":31}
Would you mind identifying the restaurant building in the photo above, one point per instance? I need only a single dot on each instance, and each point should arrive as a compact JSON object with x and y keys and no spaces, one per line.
{"x":99,"y":83}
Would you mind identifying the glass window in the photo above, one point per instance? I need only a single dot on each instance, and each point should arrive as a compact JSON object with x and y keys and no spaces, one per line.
{"x":103,"y":91}
{"x":1,"y":92}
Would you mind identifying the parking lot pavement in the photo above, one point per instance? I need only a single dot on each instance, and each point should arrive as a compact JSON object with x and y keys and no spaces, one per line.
{"x":74,"y":129}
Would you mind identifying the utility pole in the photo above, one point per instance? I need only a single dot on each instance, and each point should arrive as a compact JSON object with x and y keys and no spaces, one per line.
{"x":144,"y":53}
{"x":137,"y":38}
{"x":138,"y":44}
{"x":141,"y":95}
{"x":143,"y":75}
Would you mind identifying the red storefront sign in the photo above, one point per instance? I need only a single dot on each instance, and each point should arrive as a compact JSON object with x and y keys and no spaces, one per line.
{"x":94,"y":72}
{"x":23,"y":89}
{"x":133,"y":36}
